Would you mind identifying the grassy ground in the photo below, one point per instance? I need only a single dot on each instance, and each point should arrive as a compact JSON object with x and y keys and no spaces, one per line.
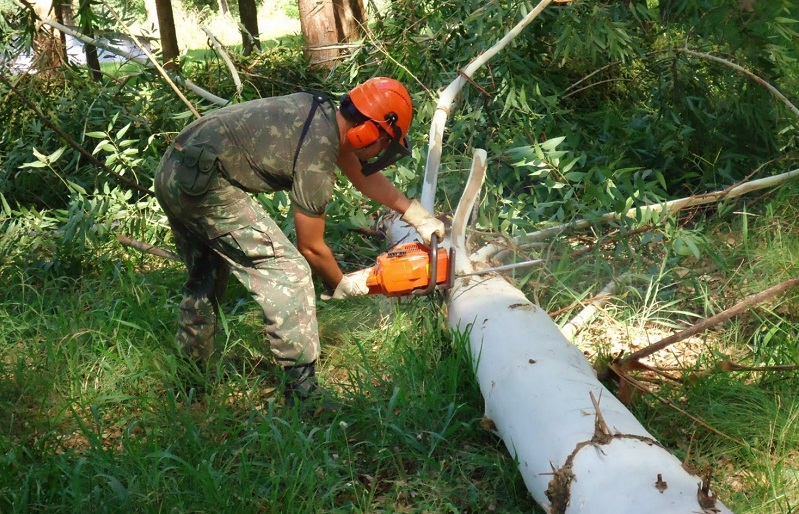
{"x":93,"y":418}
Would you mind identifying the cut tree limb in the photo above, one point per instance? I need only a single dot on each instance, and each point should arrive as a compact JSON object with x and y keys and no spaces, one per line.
{"x":703,"y":325}
{"x":671,"y":207}
{"x":147,"y":247}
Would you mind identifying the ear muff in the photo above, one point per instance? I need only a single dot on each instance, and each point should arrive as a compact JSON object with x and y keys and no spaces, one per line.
{"x":363,"y":135}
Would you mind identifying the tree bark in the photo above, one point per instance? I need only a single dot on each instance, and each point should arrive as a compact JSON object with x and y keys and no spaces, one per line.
{"x":318,"y":24}
{"x":86,"y":19}
{"x":248,"y":14}
{"x":350,"y":17}
{"x":328,"y":23}
{"x":168,"y":34}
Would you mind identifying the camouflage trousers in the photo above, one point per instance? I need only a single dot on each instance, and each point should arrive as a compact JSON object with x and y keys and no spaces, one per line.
{"x":226,"y":231}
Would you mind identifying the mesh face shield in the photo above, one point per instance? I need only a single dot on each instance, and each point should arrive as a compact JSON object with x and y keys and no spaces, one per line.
{"x":393,"y":152}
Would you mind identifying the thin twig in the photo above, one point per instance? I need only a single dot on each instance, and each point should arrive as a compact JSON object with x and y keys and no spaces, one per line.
{"x":773,"y":90}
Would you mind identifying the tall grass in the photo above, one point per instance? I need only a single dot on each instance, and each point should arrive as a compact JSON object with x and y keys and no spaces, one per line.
{"x":92,"y":418}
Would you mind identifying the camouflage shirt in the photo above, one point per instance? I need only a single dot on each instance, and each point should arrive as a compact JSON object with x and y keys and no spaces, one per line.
{"x":256,"y":142}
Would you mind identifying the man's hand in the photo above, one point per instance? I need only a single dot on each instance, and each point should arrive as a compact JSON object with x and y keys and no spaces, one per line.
{"x":352,"y":285}
{"x":424,"y":222}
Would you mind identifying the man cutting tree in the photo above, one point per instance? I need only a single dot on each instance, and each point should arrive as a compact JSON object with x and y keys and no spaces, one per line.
{"x":292,"y":143}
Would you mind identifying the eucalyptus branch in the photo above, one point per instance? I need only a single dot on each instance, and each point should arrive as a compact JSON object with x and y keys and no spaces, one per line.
{"x":671,"y":207}
{"x":225,"y":57}
{"x":773,"y":90}
{"x":447,"y":97}
{"x":71,"y":142}
{"x":144,"y":62}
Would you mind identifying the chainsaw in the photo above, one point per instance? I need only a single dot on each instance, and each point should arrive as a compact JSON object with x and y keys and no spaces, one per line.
{"x":416,"y":269}
{"x":412,"y":268}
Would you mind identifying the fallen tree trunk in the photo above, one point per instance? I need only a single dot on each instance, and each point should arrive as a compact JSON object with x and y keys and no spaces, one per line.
{"x":579,"y":449}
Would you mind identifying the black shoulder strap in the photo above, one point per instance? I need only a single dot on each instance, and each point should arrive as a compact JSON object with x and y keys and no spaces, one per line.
{"x":318,"y":99}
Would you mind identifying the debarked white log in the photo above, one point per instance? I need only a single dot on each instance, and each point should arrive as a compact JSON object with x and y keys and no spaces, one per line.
{"x":578,"y":447}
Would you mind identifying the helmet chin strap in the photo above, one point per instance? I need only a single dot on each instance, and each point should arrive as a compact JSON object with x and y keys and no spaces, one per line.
{"x":393,"y":152}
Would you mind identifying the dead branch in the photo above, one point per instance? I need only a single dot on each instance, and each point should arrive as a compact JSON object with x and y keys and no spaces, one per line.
{"x":705,"y":324}
{"x":147,"y":247}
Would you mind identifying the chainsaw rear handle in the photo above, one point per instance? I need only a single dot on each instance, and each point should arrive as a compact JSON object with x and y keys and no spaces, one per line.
{"x":431,"y":284}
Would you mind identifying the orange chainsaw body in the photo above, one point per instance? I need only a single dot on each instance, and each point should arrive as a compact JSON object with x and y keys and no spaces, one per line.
{"x":405,"y":269}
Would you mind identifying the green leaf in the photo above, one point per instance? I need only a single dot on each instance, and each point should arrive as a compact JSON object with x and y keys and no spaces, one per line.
{"x":551,"y":144}
{"x":102,"y":145}
{"x":76,"y":187}
{"x":53,"y":157}
{"x":6,"y":207}
{"x":34,"y":164}
{"x":122,"y":131}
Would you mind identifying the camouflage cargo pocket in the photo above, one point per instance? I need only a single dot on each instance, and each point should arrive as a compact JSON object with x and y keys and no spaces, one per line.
{"x":250,"y":246}
{"x":198,"y":167}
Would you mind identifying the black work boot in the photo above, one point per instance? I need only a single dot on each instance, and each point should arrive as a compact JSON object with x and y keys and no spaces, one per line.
{"x":300,"y":382}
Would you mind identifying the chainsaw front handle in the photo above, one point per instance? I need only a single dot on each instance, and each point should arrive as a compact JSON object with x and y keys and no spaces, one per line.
{"x":431,"y":284}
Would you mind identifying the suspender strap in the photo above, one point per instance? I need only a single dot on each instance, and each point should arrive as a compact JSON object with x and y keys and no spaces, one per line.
{"x":318,"y":99}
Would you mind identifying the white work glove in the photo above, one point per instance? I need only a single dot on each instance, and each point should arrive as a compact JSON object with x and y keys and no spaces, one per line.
{"x":424,"y":222}
{"x":353,"y":284}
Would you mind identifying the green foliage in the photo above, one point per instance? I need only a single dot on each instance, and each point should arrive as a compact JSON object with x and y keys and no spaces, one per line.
{"x":636,"y":120}
{"x":79,"y":106}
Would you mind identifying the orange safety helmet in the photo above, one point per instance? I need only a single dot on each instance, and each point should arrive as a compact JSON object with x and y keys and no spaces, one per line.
{"x":379,"y":104}
{"x":386,"y":102}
